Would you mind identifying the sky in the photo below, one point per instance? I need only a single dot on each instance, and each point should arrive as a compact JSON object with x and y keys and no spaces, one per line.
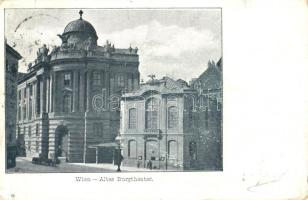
{"x":173,"y":42}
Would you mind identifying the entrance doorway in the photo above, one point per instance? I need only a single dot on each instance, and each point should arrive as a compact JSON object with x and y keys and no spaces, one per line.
{"x":61,"y":143}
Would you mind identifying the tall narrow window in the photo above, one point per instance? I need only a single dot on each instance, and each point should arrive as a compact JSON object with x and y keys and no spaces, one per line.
{"x":121,"y":82}
{"x":172,"y":117}
{"x":24,"y":105}
{"x":97,"y":78}
{"x":172,"y":149}
{"x":132,"y":149}
{"x":67,"y":79}
{"x":29,"y":138}
{"x":67,"y":103}
{"x":132,"y":118}
{"x":98,"y":129}
{"x":30,"y":101}
{"x":151,"y":114}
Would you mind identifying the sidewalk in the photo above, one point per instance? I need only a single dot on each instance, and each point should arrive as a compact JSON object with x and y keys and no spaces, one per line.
{"x":114,"y":167}
{"x":24,"y":165}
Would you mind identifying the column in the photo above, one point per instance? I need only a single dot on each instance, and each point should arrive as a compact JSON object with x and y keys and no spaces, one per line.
{"x":75,"y":91}
{"x":38,"y":96}
{"x":47,"y":93}
{"x":54,"y":89}
{"x":88,"y":90}
{"x":51,"y":92}
{"x":27,"y":102}
{"x":34,"y":99}
{"x":81,"y":89}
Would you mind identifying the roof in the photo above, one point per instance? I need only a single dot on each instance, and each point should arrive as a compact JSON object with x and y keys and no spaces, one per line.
{"x":79,"y":25}
{"x":109,"y":144}
{"x":166,"y":85}
{"x":13,"y":52}
{"x":211,"y":78}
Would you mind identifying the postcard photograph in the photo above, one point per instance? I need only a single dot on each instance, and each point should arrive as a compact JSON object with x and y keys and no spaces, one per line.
{"x":113,"y":90}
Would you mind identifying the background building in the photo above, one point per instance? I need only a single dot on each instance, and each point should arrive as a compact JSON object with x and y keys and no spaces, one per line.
{"x":11,"y":73}
{"x":69,"y":98}
{"x":174,"y":125}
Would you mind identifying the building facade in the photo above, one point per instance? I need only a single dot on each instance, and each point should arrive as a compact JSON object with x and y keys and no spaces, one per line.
{"x":69,"y":98}
{"x":174,"y":126}
{"x":11,"y":74}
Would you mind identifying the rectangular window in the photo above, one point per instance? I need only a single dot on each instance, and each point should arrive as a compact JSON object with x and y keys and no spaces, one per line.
{"x":37,"y":130}
{"x":97,"y":78}
{"x":132,"y":118}
{"x":29,"y":138}
{"x":67,"y":79}
{"x":121,"y":82}
{"x":98,"y":129}
{"x":172,"y":117}
{"x":37,"y":146}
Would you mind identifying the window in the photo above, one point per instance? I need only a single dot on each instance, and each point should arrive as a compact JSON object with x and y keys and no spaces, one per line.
{"x":37,"y":131}
{"x":67,"y":103}
{"x":37,"y":146}
{"x":24,"y":105}
{"x":172,"y":149}
{"x":120,"y":81}
{"x":172,"y":117}
{"x":132,"y":119}
{"x":29,"y":131}
{"x":67,"y":79}
{"x":193,"y":150}
{"x":29,"y":138}
{"x":30,"y":101}
{"x":132,"y":149}
{"x":151,"y":114}
{"x":96,"y":78}
{"x":97,"y":129}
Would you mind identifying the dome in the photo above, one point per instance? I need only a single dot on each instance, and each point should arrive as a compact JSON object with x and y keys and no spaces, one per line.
{"x":80,"y":25}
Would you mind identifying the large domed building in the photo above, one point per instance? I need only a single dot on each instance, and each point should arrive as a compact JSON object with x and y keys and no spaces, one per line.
{"x":68,"y":101}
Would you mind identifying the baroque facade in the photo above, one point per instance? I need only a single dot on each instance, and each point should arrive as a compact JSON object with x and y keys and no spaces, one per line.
{"x":173,"y":125}
{"x":11,"y":74}
{"x":69,"y":98}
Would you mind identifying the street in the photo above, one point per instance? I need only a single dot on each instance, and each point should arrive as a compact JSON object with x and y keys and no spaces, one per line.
{"x":24,"y":165}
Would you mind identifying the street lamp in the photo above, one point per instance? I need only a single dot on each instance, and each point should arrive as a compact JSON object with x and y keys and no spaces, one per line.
{"x":119,"y":156}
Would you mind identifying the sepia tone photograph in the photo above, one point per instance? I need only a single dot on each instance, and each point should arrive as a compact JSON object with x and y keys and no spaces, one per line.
{"x":113,"y":90}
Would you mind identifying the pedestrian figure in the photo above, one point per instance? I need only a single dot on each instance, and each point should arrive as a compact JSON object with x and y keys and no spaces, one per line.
{"x":149,"y":165}
{"x":119,"y":161}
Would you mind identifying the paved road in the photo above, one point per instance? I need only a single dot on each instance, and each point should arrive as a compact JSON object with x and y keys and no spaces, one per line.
{"x":24,"y":165}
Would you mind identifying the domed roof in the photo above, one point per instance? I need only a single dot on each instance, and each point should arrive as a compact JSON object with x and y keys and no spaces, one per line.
{"x":80,"y":25}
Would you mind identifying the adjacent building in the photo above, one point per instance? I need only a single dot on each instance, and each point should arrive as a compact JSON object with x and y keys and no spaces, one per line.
{"x":69,"y":98}
{"x":174,"y":126}
{"x":11,"y":74}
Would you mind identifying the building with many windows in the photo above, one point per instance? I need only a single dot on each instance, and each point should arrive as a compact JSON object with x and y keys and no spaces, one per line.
{"x":11,"y":74}
{"x":174,"y":126}
{"x":69,"y":97}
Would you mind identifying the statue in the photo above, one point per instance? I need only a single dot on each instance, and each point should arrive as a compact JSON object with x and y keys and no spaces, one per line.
{"x":42,"y":53}
{"x":136,"y":50}
{"x":64,"y":38}
{"x":130,"y":49}
{"x":88,"y":44}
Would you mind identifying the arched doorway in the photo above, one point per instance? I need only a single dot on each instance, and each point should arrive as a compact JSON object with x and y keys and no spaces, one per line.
{"x":61,"y":142}
{"x":151,"y":153}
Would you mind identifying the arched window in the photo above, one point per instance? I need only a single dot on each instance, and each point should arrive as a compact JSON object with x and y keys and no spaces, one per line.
{"x":132,"y":149}
{"x":132,"y":118}
{"x":172,"y":117}
{"x":151,"y":115}
{"x":67,"y":103}
{"x":172,"y":149}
